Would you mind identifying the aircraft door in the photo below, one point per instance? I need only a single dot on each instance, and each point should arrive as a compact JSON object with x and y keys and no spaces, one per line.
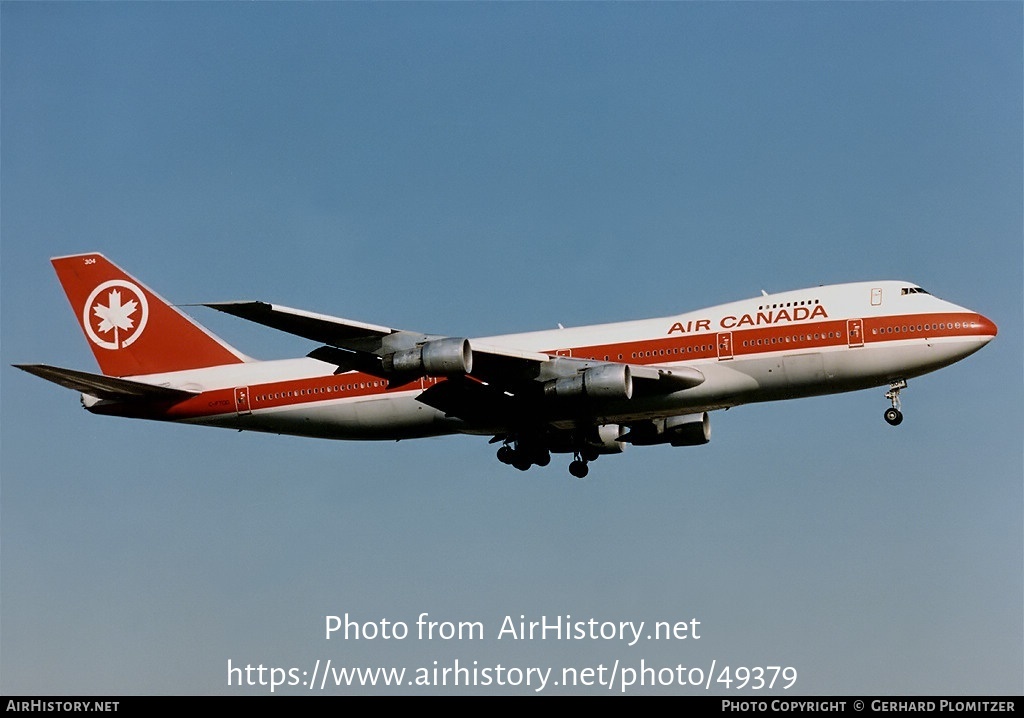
{"x":855,"y":332}
{"x":242,"y":401}
{"x":724,"y":346}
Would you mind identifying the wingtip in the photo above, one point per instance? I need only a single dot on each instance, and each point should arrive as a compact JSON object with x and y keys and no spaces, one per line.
{"x":234,"y":307}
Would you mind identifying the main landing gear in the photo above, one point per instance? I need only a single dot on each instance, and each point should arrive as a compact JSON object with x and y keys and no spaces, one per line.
{"x":894,"y":416}
{"x":523,"y":457}
{"x":578,"y":468}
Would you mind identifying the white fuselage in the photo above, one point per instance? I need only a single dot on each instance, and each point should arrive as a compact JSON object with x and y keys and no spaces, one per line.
{"x":808,"y":342}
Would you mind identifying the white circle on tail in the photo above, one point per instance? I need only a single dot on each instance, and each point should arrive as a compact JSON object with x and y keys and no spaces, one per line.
{"x":115,"y":314}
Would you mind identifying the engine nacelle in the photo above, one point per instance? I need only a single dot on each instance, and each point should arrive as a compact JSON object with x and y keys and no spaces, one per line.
{"x":604,"y":440}
{"x":591,"y":441}
{"x":602,"y":383}
{"x":683,"y":430}
{"x":688,"y":430}
{"x":451,"y":356}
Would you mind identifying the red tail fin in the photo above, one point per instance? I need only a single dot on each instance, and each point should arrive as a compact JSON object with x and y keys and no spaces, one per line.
{"x":131,"y":329}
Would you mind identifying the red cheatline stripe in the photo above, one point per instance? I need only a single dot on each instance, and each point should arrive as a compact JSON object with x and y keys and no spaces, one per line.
{"x":746,"y":343}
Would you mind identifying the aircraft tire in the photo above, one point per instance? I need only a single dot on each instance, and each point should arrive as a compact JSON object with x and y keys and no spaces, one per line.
{"x":894,"y":417}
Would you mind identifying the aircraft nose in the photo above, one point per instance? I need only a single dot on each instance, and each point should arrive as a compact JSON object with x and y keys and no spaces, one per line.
{"x":986,"y":327}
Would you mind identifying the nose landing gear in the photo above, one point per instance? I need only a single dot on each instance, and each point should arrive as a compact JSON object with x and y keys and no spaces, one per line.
{"x":893,"y":416}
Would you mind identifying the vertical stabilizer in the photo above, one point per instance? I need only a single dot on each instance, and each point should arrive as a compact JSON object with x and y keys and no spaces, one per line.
{"x":131,"y":329}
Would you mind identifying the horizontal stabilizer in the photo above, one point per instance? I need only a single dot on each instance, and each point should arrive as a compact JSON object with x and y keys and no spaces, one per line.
{"x":105,"y":387}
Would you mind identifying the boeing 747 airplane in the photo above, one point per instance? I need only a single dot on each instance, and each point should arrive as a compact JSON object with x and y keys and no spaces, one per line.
{"x":584,"y":391}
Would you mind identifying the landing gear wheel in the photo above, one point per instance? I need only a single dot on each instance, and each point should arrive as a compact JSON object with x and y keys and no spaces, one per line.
{"x":894,"y":416}
{"x":520,"y":462}
{"x":579,"y":469}
{"x":506,"y":454}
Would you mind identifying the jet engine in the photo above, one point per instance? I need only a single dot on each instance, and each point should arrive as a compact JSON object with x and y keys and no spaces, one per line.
{"x":604,"y":382}
{"x":590,"y":441}
{"x":683,"y":430}
{"x":605,"y":439}
{"x":451,"y":356}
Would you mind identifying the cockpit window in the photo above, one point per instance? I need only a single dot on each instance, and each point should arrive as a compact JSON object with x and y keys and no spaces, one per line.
{"x":914,"y":290}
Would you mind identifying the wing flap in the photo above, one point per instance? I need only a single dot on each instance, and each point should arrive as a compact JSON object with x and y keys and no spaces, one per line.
{"x":674,"y":379}
{"x":349,"y":360}
{"x":472,"y":401}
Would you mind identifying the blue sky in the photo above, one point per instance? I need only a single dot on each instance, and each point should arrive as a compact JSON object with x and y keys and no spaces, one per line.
{"x":476,"y":169}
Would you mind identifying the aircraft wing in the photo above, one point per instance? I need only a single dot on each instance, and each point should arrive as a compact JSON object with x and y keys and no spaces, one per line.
{"x":105,"y":387}
{"x":361,"y":346}
{"x":506,"y":386}
{"x":337,"y":332}
{"x":499,"y":379}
